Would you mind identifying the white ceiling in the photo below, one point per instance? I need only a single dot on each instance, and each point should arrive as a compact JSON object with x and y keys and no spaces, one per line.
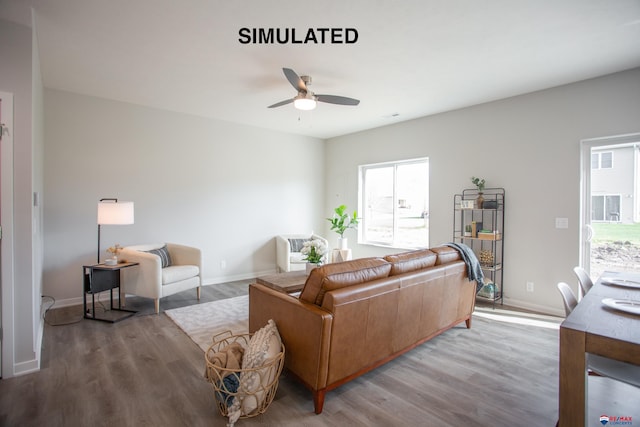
{"x":413,"y":57}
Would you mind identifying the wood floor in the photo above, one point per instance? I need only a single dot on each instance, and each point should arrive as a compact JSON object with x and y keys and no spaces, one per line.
{"x":144,"y":371}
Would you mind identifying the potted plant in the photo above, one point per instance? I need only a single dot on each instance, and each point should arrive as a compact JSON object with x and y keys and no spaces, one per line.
{"x":467,"y":230}
{"x":479,"y":183}
{"x":314,"y":252}
{"x":341,"y":221}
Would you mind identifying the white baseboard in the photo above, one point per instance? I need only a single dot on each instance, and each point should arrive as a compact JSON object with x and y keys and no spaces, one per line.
{"x":104,"y":296}
{"x":224,"y":279}
{"x":27,"y":367}
{"x":544,"y":309}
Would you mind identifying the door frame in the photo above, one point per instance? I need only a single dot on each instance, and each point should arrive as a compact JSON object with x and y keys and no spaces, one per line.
{"x":6,"y":251}
{"x":585,"y":188}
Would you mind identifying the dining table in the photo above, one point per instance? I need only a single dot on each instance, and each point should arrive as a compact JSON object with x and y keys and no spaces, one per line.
{"x":605,"y":322}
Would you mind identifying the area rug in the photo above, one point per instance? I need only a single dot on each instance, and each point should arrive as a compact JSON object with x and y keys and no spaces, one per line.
{"x":202,"y":321}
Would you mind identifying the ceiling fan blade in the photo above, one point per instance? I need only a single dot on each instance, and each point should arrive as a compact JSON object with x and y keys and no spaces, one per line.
{"x":335,"y":99}
{"x":295,"y":80}
{"x":281,"y":103}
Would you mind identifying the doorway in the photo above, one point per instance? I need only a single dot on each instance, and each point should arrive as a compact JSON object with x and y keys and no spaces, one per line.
{"x":610,"y":204}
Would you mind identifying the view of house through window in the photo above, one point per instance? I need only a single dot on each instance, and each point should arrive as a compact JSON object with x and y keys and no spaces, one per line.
{"x":394,"y":203}
{"x":615,"y":208}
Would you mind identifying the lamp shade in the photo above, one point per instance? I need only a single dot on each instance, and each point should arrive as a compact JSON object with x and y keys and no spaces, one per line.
{"x":113,"y":212}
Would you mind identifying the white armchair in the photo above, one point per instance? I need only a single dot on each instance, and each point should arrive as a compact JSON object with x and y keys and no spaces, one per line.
{"x":288,"y":246}
{"x":151,"y":280}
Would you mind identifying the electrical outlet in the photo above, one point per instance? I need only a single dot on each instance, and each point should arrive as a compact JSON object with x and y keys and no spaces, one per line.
{"x":223,"y":264}
{"x":529,"y":286}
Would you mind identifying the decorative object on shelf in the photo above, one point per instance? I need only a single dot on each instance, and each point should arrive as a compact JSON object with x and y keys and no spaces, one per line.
{"x":489,"y":290}
{"x":314,"y":252}
{"x":466,"y":204}
{"x":489,"y":235}
{"x":112,"y":212}
{"x":341,"y":222}
{"x":467,"y":230}
{"x":479,"y":183}
{"x":486,"y":258}
{"x":114,"y":251}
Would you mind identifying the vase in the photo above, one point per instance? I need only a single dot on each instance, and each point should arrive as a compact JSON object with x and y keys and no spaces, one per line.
{"x":480,"y":200}
{"x":111,"y":261}
{"x":343,"y":243}
{"x":310,"y":266}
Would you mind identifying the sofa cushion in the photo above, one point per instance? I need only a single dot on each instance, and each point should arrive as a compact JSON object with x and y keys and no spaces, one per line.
{"x":446,"y":254}
{"x":175,"y":273}
{"x":296,"y":257}
{"x":340,"y":275}
{"x":163,"y":253}
{"x":297,"y":244}
{"x":411,"y":261}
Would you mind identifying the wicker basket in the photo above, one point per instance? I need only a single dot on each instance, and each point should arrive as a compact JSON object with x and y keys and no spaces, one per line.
{"x":225,"y":381}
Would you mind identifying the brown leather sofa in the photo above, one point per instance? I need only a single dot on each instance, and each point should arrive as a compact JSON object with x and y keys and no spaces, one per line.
{"x":354,"y":316}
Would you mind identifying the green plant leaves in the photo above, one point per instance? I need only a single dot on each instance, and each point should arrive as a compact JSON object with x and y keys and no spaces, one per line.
{"x":341,"y":221}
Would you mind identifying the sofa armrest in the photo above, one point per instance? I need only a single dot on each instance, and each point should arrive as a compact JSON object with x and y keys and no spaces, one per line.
{"x":283,"y":253}
{"x":145,"y":280}
{"x":305,"y":330}
{"x":185,"y":255}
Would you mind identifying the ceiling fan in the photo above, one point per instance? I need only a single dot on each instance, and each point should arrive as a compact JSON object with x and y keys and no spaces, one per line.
{"x":306,"y":99}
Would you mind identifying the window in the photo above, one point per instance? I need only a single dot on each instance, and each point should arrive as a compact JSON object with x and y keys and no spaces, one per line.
{"x":602,"y":160}
{"x":605,"y":208}
{"x":394,"y":204}
{"x":606,"y":160}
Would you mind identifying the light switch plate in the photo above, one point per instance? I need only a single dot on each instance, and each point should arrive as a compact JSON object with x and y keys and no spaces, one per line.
{"x":562,"y":222}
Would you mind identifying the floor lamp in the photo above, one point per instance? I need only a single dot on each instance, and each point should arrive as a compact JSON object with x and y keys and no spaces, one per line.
{"x":113,"y":212}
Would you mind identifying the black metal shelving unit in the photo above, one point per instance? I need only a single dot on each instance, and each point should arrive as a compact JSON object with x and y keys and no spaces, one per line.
{"x":481,"y":227}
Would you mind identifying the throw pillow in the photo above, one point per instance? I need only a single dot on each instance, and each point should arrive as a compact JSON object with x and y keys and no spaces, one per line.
{"x":297,"y":244}
{"x":163,"y":253}
{"x":264,"y":346}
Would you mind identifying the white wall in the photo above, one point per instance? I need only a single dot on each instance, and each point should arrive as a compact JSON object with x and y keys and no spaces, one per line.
{"x":225,"y":188}
{"x":20,"y":75}
{"x":530,"y":145}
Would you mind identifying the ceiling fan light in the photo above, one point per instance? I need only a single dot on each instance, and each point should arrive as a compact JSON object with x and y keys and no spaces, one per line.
{"x":305,"y":104}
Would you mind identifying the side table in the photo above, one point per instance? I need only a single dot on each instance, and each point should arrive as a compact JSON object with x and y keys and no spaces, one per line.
{"x":290,"y":282}
{"x":339,"y":255}
{"x":99,"y":278}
